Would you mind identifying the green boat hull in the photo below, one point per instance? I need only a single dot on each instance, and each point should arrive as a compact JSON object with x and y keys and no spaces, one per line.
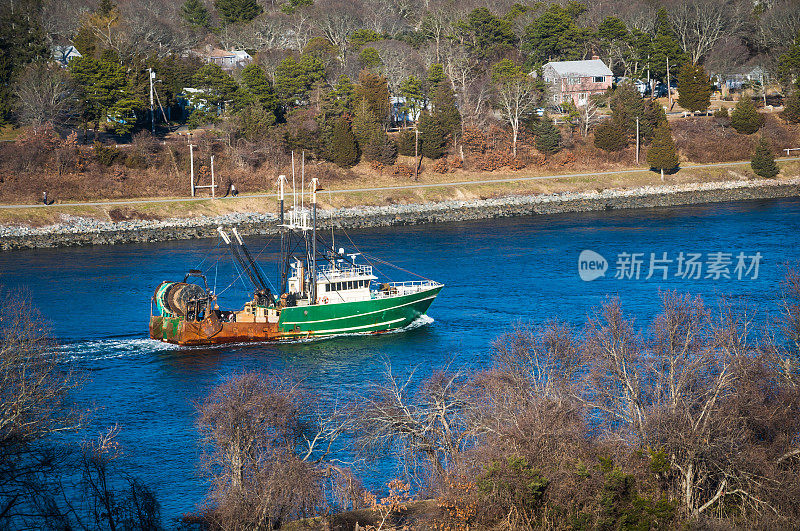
{"x":374,"y":315}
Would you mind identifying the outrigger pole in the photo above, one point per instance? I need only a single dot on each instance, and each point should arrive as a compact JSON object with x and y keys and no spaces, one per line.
{"x":282,"y":272}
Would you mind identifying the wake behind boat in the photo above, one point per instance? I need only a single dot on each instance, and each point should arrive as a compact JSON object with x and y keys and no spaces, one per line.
{"x":320,"y":293}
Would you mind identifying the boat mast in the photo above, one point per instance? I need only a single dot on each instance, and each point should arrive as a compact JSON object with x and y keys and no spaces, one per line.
{"x":314,"y":182}
{"x":282,"y":270}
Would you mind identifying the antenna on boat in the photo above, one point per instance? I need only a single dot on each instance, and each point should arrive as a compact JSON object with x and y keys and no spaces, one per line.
{"x":302,"y":178}
{"x":294,"y":194}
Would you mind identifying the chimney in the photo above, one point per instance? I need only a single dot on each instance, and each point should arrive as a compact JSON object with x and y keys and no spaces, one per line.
{"x":595,"y":57}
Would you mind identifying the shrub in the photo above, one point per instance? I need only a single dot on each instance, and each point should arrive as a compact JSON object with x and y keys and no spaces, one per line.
{"x":432,"y":136}
{"x":763,"y":161}
{"x":135,"y":161}
{"x":106,"y":155}
{"x":473,"y":140}
{"x":493,"y":160}
{"x":745,"y":118}
{"x":404,"y":171}
{"x":441,"y":166}
{"x":722,"y":113}
{"x":662,"y":154}
{"x":406,"y":142}
{"x":344,"y":146}
{"x":610,"y":136}
{"x":548,"y":138}
{"x":456,"y":163}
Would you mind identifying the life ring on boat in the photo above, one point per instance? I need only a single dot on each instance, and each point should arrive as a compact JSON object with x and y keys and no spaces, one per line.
{"x":324,"y":300}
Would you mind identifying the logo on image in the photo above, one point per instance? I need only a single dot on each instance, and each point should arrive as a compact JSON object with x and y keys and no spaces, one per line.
{"x":591,"y":265}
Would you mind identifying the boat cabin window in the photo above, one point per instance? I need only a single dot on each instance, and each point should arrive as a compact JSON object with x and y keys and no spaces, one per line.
{"x":341,"y":286}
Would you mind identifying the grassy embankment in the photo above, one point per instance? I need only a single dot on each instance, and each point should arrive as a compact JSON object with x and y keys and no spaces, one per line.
{"x":436,"y":188}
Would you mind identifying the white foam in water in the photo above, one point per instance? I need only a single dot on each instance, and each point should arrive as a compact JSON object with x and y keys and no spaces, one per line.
{"x":113,"y":348}
{"x":121,"y":348}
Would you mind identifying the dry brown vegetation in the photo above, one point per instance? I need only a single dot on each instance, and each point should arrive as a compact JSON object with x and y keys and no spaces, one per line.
{"x":40,"y":160}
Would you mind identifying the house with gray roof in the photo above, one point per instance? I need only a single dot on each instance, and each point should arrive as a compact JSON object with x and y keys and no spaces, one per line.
{"x":576,"y":80}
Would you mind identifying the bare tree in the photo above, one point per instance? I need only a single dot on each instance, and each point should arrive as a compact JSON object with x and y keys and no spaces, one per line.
{"x":45,"y":95}
{"x":265,"y":446}
{"x":426,"y":429}
{"x":336,"y":20}
{"x":700,"y":25}
{"x":515,"y":96}
{"x":34,"y":406}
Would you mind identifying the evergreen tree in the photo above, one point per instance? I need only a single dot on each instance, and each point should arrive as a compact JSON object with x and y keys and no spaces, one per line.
{"x":258,"y":88}
{"x":745,"y":118}
{"x":654,"y":116}
{"x":791,"y":108}
{"x":217,"y":85}
{"x":445,"y":111}
{"x":22,"y":41}
{"x":626,"y":104}
{"x":195,"y":14}
{"x":662,"y":154}
{"x":555,"y":36}
{"x":365,"y":125}
{"x":694,"y":88}
{"x":763,"y":161}
{"x":294,"y":79}
{"x":233,"y":11}
{"x":101,"y":83}
{"x":254,"y":121}
{"x":432,"y":137}
{"x":369,"y":58}
{"x":548,"y":137}
{"x":789,"y":63}
{"x":374,"y":90}
{"x":413,"y":92}
{"x":610,"y":136}
{"x":484,"y":34}
{"x":344,"y":147}
{"x":435,"y":76}
{"x":664,"y":48}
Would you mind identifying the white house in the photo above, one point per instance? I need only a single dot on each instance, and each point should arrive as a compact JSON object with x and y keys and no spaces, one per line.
{"x":64,"y":54}
{"x":227,"y":60}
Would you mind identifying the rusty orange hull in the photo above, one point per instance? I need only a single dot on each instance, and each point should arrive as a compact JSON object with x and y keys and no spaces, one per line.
{"x":189,"y":333}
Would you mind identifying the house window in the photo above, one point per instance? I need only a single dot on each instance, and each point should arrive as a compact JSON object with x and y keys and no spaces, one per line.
{"x":582,"y":97}
{"x":599,"y":79}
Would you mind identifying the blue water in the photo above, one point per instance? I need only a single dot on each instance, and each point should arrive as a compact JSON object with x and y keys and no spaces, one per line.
{"x":496,"y":273}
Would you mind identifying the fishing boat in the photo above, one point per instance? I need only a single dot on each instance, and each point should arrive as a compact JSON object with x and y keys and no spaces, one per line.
{"x":322,"y":291}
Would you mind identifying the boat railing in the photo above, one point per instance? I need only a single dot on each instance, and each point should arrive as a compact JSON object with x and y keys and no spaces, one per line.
{"x":404,"y":288}
{"x":350,"y":271}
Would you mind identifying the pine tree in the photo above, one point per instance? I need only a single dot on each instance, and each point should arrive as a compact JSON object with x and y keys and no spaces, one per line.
{"x":195,"y":14}
{"x":258,"y":87}
{"x":791,"y":108}
{"x":374,"y":90}
{"x":432,"y":137}
{"x":763,"y":161}
{"x":610,"y":136}
{"x":662,"y":154}
{"x":233,"y":11}
{"x":745,"y":118}
{"x":365,"y":125}
{"x":694,"y":88}
{"x":548,"y":138}
{"x":445,"y":111}
{"x":345,"y":149}
{"x":626,"y":104}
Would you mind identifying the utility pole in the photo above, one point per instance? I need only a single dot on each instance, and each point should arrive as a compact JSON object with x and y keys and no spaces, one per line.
{"x":416,"y":152}
{"x":637,"y":140}
{"x":669,"y":88}
{"x":152,"y":109}
{"x":213,"y":195}
{"x":191,"y":166}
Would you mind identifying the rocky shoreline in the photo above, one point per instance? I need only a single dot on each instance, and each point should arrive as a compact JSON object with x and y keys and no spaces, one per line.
{"x":76,"y":231}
